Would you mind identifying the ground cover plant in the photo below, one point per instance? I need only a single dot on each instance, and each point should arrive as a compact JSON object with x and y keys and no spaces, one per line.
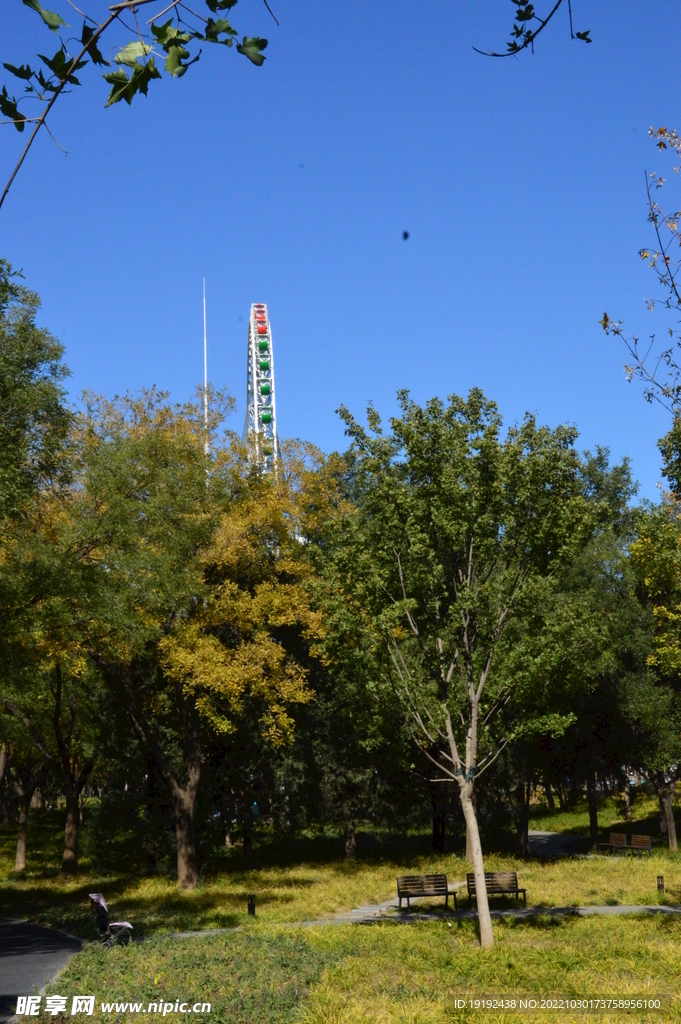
{"x":387,"y":973}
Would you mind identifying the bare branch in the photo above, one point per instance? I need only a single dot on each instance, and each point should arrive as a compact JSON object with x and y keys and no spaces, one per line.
{"x":484,"y":769}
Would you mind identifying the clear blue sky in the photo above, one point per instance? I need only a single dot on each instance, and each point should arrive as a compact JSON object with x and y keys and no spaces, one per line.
{"x":521,"y":182}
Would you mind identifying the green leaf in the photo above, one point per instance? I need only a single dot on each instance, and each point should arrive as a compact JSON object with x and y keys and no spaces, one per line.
{"x":9,"y":109}
{"x":128,"y":54}
{"x":220,"y":5}
{"x":93,"y":52}
{"x":60,"y":65}
{"x":169,"y":35}
{"x":51,"y":19}
{"x":174,"y":64}
{"x":214,"y":28}
{"x":45,"y":84}
{"x":252,"y":48}
{"x":124,"y":88}
{"x":22,"y":72}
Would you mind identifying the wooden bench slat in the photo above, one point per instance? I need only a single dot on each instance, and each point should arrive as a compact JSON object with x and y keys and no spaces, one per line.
{"x":497,"y":883}
{"x":409,"y":886}
{"x":642,"y":844}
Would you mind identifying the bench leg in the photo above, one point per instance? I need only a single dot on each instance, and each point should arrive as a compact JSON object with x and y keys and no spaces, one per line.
{"x":456,"y":905}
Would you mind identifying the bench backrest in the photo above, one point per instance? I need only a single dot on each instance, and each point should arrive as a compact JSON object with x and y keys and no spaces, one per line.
{"x":641,"y":843}
{"x":495,"y":881}
{"x":422,"y":885}
{"x":617,"y":839}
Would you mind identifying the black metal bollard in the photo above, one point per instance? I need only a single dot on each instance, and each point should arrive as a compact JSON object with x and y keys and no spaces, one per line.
{"x":660,"y":883}
{"x":251,"y":904}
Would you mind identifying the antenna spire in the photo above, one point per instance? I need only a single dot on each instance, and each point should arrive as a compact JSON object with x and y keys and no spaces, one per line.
{"x":205,"y":361}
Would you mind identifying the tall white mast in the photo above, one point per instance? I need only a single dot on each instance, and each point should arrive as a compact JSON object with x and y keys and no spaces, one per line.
{"x":205,"y":362}
{"x":206,"y":445}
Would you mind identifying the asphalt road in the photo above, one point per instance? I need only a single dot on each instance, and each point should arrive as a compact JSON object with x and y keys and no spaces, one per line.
{"x":30,"y":956}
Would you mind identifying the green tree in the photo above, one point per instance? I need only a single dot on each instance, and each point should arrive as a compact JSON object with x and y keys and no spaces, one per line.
{"x":569,"y":658}
{"x":34,"y":418}
{"x":57,"y":706}
{"x":456,"y":534}
{"x":196,"y":569}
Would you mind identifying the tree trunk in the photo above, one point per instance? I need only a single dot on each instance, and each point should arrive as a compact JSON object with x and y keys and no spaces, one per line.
{"x":522,"y":818}
{"x":183,"y":807}
{"x":439,"y":809}
{"x":70,"y":860}
{"x":560,"y":790}
{"x":350,"y":840}
{"x":4,"y":804}
{"x":664,"y":828}
{"x":666,"y":798}
{"x":593,"y":809}
{"x":626,"y":793}
{"x":484,"y":918}
{"x":469,"y":845}
{"x":549,"y":795}
{"x":20,"y":859}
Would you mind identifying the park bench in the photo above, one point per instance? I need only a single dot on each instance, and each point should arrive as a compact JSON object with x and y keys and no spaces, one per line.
{"x":411,"y":886}
{"x":110,"y":932}
{"x":617,"y":841}
{"x":497,"y":883}
{"x":642,"y":844}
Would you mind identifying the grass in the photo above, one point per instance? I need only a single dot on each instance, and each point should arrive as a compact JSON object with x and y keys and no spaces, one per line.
{"x":267,"y":969}
{"x":318,"y":889}
{"x":575,"y":820}
{"x":387,"y":973}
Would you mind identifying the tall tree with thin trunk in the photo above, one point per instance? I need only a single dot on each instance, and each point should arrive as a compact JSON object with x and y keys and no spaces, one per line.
{"x":457,"y":529}
{"x":58,"y":714}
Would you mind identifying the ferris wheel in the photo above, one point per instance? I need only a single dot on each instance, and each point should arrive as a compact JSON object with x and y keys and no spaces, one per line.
{"x":261,"y":413}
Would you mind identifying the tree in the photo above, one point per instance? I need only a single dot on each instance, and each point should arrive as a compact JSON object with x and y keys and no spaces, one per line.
{"x":658,"y":368}
{"x":197,"y":570}
{"x":528,"y":25}
{"x":656,"y":557}
{"x":27,"y":772}
{"x":35,"y":643}
{"x":135,"y":61}
{"x":56,"y":705}
{"x":34,"y":418}
{"x":572,"y":655}
{"x":456,"y":533}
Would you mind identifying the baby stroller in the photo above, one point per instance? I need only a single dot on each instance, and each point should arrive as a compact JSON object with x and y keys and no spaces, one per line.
{"x":110,"y":932}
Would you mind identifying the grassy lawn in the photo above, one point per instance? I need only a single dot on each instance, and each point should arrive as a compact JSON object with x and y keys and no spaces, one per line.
{"x":575,"y":821}
{"x":268,"y":969}
{"x":386,"y":973}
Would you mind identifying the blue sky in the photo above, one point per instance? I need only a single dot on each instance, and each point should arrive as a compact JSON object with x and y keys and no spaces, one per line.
{"x":520,"y":181}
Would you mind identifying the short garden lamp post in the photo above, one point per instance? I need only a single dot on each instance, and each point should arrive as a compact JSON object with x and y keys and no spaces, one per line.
{"x":251,"y":904}
{"x":660,"y":883}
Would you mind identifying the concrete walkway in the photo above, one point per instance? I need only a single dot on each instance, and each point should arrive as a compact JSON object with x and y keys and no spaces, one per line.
{"x":555,"y":844}
{"x":388,"y":913}
{"x":30,"y":956}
